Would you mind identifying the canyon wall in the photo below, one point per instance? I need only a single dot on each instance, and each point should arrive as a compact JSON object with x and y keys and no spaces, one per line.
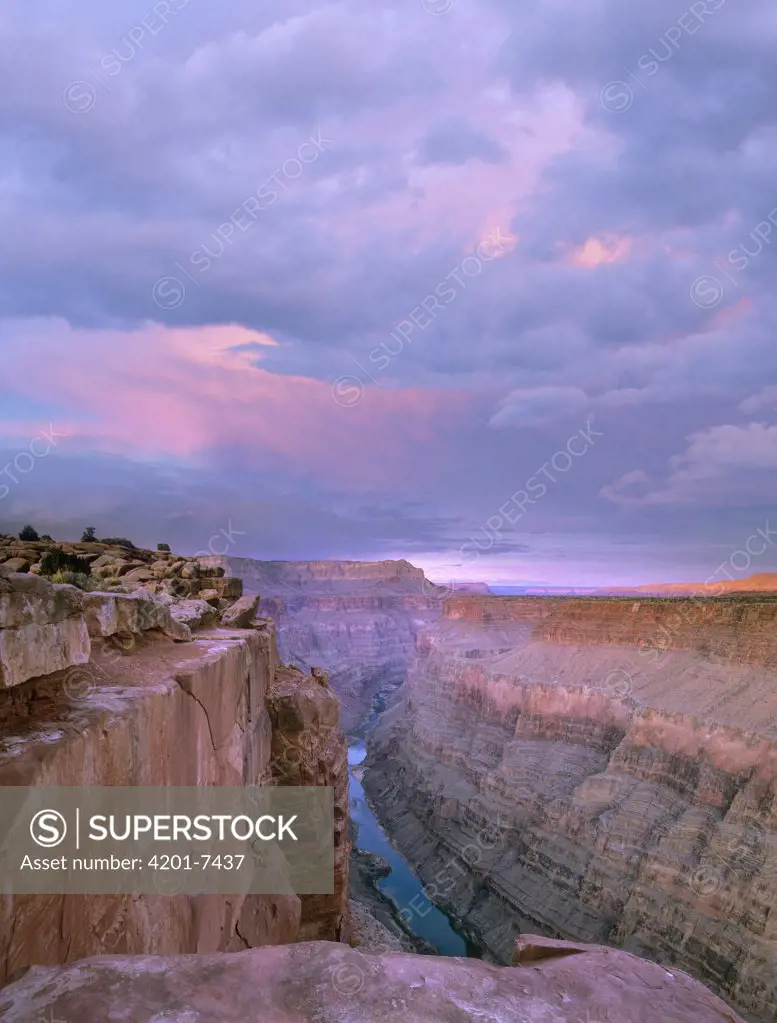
{"x":118,"y":692}
{"x":359,"y":619}
{"x":600,"y":770}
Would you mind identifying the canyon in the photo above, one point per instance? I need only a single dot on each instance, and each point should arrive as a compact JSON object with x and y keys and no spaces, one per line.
{"x":359,"y":619}
{"x":226,"y":672}
{"x":595,"y":769}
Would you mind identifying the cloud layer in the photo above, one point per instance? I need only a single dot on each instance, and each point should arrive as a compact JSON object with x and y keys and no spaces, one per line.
{"x":355,"y":274}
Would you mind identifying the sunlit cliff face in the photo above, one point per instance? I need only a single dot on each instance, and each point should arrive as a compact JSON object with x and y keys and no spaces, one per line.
{"x":355,"y":278}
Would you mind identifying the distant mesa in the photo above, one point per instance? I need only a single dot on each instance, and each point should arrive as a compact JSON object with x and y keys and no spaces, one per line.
{"x":763,"y":582}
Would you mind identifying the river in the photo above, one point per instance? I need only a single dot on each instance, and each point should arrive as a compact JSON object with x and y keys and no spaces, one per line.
{"x":401,"y":886}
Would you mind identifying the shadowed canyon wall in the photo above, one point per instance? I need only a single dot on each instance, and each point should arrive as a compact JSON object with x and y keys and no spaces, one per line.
{"x":603,"y":770}
{"x":358,"y":619}
{"x":120,"y":693}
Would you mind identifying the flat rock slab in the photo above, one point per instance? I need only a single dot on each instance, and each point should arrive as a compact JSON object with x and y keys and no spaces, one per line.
{"x":195,"y":614}
{"x":111,"y":614}
{"x":326,"y":982}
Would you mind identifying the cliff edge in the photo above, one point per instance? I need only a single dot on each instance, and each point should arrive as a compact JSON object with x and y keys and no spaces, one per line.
{"x":327,"y":983}
{"x":101,"y":689}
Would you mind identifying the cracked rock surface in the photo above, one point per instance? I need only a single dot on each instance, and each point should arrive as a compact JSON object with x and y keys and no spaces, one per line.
{"x":324,"y":982}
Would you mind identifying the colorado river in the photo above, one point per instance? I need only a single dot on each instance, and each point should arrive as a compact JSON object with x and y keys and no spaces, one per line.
{"x":401,"y":886}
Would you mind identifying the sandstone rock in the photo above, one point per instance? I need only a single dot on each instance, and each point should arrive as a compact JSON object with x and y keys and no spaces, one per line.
{"x":191,"y":570}
{"x":241,"y":614}
{"x":308,"y":748}
{"x":212,"y":597}
{"x":323,"y":982}
{"x":227,"y":588}
{"x":321,"y":676}
{"x":370,"y":935}
{"x":18,"y":564}
{"x":109,"y":614}
{"x":180,"y":589}
{"x":37,"y":650}
{"x":157,"y":715}
{"x":605,"y":770}
{"x":208,"y":571}
{"x":27,"y":600}
{"x":42,"y":628}
{"x":138,"y":575}
{"x":101,"y":560}
{"x":196,"y":614}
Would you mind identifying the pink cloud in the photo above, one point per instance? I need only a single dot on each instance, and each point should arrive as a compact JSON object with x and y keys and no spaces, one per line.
{"x":607,"y":249}
{"x":183,"y":393}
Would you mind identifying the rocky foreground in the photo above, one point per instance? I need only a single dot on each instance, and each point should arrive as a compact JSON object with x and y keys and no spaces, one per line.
{"x":358,"y":618}
{"x":323,"y":982}
{"x":602,"y":770}
{"x":110,"y":689}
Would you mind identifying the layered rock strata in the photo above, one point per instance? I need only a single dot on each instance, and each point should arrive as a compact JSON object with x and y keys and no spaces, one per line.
{"x":604,"y":770}
{"x":142,"y":702}
{"x":358,"y":619}
{"x":308,"y":749}
{"x":762,"y":583}
{"x":327,"y":983}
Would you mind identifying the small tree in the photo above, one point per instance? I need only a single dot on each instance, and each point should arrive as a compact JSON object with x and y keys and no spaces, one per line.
{"x":164,"y":547}
{"x":28,"y":533}
{"x":89,"y":535}
{"x":57,"y":560}
{"x":49,"y":539}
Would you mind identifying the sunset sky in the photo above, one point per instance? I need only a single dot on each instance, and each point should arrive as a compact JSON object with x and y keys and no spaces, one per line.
{"x":346,"y":281}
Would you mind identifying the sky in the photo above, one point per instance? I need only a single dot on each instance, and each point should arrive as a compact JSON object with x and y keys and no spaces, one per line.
{"x":485,"y":284}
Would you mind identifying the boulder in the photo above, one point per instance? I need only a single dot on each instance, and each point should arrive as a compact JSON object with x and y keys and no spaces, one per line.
{"x":241,"y":614}
{"x":321,"y":676}
{"x":138,"y":575}
{"x":211,"y":571}
{"x":110,"y":614}
{"x":196,"y":614}
{"x":42,"y":628}
{"x":229,"y":588}
{"x":325,"y":982}
{"x":18,"y":564}
{"x":102,"y":560}
{"x":28,"y":600}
